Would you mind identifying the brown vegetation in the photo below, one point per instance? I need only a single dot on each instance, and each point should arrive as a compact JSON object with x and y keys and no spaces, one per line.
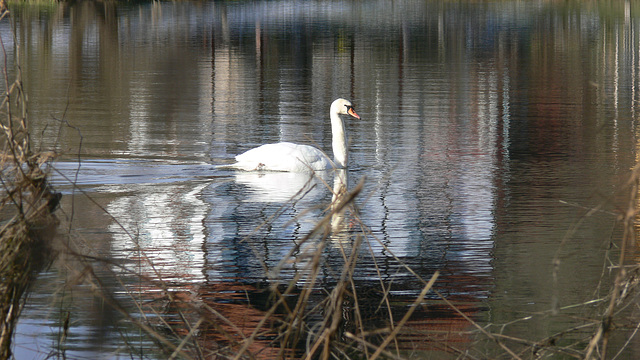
{"x":298,"y":319}
{"x":26,"y":204}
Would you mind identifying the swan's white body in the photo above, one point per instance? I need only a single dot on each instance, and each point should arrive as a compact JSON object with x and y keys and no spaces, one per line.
{"x":286,"y":156}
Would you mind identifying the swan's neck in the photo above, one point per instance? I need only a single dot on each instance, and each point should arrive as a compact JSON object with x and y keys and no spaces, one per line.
{"x":339,"y":142}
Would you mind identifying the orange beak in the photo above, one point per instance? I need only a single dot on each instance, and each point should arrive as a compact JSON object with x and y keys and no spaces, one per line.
{"x":353,"y":113}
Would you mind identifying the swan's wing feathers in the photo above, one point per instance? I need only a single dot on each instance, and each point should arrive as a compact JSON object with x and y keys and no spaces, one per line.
{"x":283,"y":156}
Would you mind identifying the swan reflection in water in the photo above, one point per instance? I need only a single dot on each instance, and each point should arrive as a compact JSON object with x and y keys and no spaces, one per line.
{"x":300,"y":218}
{"x":310,"y":189}
{"x":282,"y":187}
{"x":338,"y":205}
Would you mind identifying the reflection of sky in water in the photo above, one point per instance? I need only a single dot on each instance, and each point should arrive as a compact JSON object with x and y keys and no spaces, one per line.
{"x":164,"y":229}
{"x":251,"y":231}
{"x":103,"y":173}
{"x":158,"y":215}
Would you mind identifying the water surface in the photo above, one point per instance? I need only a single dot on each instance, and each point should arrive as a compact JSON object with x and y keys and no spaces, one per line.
{"x":489,"y":133}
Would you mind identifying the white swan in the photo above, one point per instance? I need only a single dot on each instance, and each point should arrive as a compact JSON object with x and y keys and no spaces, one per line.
{"x":286,"y":156}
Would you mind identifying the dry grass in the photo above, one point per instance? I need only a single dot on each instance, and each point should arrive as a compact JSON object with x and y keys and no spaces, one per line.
{"x":26,"y":204}
{"x":298,"y":319}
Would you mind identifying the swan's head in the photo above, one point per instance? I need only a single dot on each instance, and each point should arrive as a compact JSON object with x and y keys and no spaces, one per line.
{"x":344,"y":107}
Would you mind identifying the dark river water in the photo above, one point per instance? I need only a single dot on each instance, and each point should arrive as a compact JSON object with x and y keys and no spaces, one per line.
{"x":494,"y":147}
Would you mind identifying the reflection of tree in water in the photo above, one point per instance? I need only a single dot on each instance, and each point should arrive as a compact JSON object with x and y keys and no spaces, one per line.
{"x":318,"y":283}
